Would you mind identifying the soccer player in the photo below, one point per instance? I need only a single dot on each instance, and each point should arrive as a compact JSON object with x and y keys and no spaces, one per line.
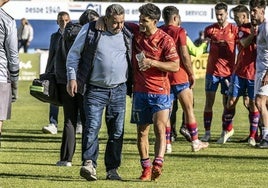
{"x":183,"y":80}
{"x":154,"y":55}
{"x":242,"y":80}
{"x":221,"y":60}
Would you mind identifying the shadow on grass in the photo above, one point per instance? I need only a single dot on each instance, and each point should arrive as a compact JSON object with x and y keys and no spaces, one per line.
{"x":217,"y":156}
{"x":30,"y":138}
{"x":40,"y":177}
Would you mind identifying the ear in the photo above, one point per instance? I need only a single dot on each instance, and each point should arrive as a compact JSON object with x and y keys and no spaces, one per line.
{"x":105,"y":19}
{"x":175,"y":18}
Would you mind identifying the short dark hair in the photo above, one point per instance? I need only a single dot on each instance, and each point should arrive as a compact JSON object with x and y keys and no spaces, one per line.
{"x":88,"y":16}
{"x":240,"y":9}
{"x":62,"y":13}
{"x":221,"y":5}
{"x":168,"y":12}
{"x":258,"y":3}
{"x":114,"y":9}
{"x":150,"y":10}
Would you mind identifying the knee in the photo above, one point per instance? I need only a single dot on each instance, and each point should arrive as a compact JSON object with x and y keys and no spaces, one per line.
{"x":259,"y":104}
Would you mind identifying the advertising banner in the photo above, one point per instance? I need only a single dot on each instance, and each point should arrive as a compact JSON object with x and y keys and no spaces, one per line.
{"x":199,"y":65}
{"x":29,"y":66}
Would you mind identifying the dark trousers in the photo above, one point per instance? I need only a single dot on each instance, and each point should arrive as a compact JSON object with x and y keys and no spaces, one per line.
{"x":71,"y":106}
{"x":53,"y":114}
{"x":24,"y":44}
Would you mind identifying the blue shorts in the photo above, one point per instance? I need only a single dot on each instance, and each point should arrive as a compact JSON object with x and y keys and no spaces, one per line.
{"x":176,"y":89}
{"x":212,"y":83}
{"x":144,"y":105}
{"x":241,"y":87}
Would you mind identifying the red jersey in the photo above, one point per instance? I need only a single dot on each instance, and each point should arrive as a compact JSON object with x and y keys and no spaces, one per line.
{"x":159,"y":46}
{"x":179,"y":36}
{"x":221,"y":57}
{"x":246,"y":58}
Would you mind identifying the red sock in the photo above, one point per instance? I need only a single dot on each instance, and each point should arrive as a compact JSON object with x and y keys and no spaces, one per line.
{"x":254,"y":120}
{"x":192,"y":127}
{"x":145,"y":163}
{"x":168,"y":135}
{"x":158,"y":161}
{"x":227,"y":119}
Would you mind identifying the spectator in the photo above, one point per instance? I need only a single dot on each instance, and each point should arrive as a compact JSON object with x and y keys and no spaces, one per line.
{"x":110,"y":53}
{"x":52,"y":128}
{"x":25,"y":35}
{"x":62,"y":19}
{"x":72,"y":105}
{"x":221,"y":60}
{"x":9,"y":64}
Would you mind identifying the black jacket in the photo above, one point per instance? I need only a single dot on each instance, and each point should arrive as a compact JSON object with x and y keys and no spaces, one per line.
{"x":89,"y":52}
{"x":54,"y":41}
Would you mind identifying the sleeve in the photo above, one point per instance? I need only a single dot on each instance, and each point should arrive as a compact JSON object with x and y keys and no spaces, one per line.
{"x":74,"y":55}
{"x":31,"y":33}
{"x":51,"y":54}
{"x":11,"y":46}
{"x":194,"y":50}
{"x":170,"y":50}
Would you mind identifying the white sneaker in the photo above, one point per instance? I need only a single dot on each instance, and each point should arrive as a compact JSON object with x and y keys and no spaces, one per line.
{"x":50,"y":129}
{"x":251,"y":141}
{"x":168,"y":148}
{"x":225,"y":136}
{"x":198,"y":145}
{"x":205,"y":138}
{"x":88,"y":171}
{"x":79,"y":128}
{"x":63,"y":163}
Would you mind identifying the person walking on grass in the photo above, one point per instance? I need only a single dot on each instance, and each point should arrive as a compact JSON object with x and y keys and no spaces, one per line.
{"x":182,"y":81}
{"x":154,"y":56}
{"x":221,"y":60}
{"x":9,"y":64}
{"x":260,"y":24}
{"x":72,"y":105}
{"x":62,"y":19}
{"x":104,"y":70}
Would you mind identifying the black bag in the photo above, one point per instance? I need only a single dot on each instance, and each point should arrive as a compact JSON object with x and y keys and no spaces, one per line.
{"x":71,"y":30}
{"x":45,"y":89}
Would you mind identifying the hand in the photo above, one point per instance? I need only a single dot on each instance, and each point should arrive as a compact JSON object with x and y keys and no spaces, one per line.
{"x":145,"y":64}
{"x":71,"y":87}
{"x":254,"y":29}
{"x":191,"y":81}
{"x":14,"y":90}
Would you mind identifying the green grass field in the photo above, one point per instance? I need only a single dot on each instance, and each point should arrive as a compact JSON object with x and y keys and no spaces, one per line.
{"x":28,"y":157}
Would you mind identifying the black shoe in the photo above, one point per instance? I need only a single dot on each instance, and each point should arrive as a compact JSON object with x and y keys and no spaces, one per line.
{"x":263,"y":144}
{"x":184,"y":132}
{"x":113,"y":175}
{"x":244,"y":139}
